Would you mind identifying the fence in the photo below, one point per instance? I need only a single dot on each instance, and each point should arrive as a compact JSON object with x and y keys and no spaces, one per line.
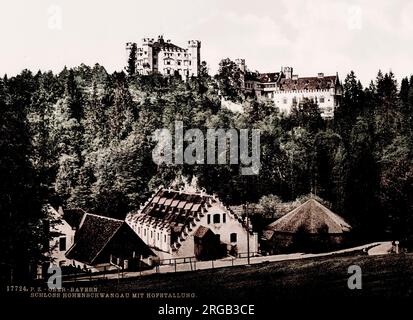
{"x":170,"y":265}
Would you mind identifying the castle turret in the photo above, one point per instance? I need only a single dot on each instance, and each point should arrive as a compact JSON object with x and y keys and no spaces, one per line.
{"x":194,"y":49}
{"x":241,"y":64}
{"x":147,"y":61}
{"x":288,"y":72}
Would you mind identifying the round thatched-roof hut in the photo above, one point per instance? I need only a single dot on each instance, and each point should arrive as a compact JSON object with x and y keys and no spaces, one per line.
{"x":311,"y":227}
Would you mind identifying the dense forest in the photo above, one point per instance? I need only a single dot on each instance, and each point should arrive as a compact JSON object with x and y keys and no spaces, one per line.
{"x":83,"y":138}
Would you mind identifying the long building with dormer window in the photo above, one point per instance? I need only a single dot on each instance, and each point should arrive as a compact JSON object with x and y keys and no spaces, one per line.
{"x":287,"y":89}
{"x":186,"y":224}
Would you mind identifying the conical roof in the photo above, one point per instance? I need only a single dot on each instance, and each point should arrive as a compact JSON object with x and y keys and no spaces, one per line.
{"x":311,"y":217}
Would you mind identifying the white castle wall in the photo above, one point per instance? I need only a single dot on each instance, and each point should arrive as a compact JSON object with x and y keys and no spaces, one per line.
{"x":167,"y":61}
{"x":324,"y":98}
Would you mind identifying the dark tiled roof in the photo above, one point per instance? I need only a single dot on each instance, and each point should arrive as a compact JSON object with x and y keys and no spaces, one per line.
{"x":269,"y":77}
{"x":267,"y":234}
{"x":161,"y":44}
{"x":94,"y":234}
{"x":201,"y":232}
{"x":173,"y":209}
{"x":263,"y":77}
{"x":311,"y":217}
{"x":73,"y":217}
{"x":308,"y":83}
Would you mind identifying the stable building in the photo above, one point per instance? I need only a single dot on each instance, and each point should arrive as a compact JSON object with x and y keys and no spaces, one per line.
{"x":186,"y":224}
{"x":104,"y":243}
{"x":311,"y":227}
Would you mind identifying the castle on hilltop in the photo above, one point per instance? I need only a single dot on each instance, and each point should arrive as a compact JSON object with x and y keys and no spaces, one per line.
{"x":164,"y":57}
{"x":284,"y":88}
{"x":287,"y":89}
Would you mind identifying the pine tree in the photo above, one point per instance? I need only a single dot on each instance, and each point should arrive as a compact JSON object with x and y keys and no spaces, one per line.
{"x":21,"y":214}
{"x":132,"y":60}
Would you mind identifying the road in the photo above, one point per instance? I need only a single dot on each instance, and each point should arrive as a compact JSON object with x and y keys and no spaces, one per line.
{"x":228,"y":262}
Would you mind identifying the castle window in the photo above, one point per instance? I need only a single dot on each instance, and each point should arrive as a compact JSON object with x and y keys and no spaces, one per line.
{"x":179,"y":62}
{"x":164,"y":238}
{"x":151,"y":234}
{"x":139,"y":229}
{"x":158,"y":236}
{"x":144,"y":232}
{"x":224,"y":218}
{"x":209,"y":218}
{"x":295,"y":100}
{"x":233,"y":237}
{"x":321,"y":99}
{"x":217,"y":218}
{"x":285,"y":100}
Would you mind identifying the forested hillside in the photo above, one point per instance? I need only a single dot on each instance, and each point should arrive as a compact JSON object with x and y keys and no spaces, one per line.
{"x":83,"y":138}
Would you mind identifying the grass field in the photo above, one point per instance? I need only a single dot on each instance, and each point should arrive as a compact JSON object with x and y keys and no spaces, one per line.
{"x":382,"y":276}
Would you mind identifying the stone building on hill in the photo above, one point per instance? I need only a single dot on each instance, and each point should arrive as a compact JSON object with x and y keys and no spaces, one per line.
{"x":287,"y":89}
{"x":164,"y":57}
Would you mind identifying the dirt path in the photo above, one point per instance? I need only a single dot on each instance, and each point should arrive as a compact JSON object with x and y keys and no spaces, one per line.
{"x":373,"y":248}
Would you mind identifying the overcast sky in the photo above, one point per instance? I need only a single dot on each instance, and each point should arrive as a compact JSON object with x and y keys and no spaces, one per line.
{"x":311,"y":36}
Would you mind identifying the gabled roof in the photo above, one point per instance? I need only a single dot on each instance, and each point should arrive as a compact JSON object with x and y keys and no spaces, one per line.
{"x":94,"y":234}
{"x":176,"y":209}
{"x":202,"y":231}
{"x":308,"y":83}
{"x":166,"y":45}
{"x":73,"y":217}
{"x":311,"y":217}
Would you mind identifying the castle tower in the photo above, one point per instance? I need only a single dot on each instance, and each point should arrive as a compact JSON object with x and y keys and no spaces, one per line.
{"x":288,"y":72}
{"x":147,"y":48}
{"x":194,"y":48}
{"x":241,"y":64}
